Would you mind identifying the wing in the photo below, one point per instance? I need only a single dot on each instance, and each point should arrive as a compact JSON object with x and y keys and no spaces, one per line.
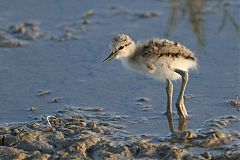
{"x":157,"y":48}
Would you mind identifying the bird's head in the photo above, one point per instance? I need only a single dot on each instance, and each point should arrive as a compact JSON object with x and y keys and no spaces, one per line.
{"x":122,"y":46}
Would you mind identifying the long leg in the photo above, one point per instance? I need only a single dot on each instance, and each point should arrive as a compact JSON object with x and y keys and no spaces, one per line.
{"x":169,"y":90}
{"x":182,"y":112}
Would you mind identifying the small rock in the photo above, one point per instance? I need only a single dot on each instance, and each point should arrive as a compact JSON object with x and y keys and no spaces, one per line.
{"x":147,"y":108}
{"x":23,"y":27}
{"x":207,"y":155}
{"x":12,"y":153}
{"x":83,"y":146}
{"x":12,"y":43}
{"x":4,"y":130}
{"x":86,"y":21}
{"x":68,"y":132}
{"x":40,"y":157}
{"x":25,"y":30}
{"x":32,"y":108}
{"x":42,"y":146}
{"x":7,"y":140}
{"x":43,"y":93}
{"x":222,"y":122}
{"x":88,"y":14}
{"x":56,"y":100}
{"x":57,"y":136}
{"x":234,"y":103}
{"x":149,"y":150}
{"x":213,"y":138}
{"x":94,"y":125}
{"x":148,"y":14}
{"x":91,"y":109}
{"x":175,"y":154}
{"x":62,"y":111}
{"x":142,"y":99}
{"x":82,"y":124}
{"x":188,"y":96}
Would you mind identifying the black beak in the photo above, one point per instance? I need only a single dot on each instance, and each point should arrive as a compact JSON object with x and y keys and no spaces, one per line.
{"x":110,"y":57}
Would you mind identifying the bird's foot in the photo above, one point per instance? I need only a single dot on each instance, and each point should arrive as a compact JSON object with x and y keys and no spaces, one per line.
{"x":182,"y":112}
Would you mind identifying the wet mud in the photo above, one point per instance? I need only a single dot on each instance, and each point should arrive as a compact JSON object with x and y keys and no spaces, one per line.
{"x":94,"y":134}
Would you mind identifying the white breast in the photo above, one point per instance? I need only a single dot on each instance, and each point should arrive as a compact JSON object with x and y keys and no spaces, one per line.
{"x":160,"y":69}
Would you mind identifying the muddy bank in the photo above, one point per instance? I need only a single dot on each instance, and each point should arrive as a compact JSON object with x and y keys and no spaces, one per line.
{"x":82,"y":136}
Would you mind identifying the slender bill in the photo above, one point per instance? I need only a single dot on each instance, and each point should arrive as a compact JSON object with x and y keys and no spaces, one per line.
{"x":110,"y":57}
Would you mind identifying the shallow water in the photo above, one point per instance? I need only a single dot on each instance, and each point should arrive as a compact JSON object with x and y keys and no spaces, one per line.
{"x":73,"y":69}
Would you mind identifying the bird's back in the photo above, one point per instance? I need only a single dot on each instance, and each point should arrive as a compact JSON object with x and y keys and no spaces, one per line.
{"x":159,"y":58}
{"x":157,"y":48}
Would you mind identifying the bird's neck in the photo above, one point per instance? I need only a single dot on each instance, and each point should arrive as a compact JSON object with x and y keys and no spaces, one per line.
{"x":129,"y":61}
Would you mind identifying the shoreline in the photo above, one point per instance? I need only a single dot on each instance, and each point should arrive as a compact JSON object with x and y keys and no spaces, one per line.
{"x":80,"y":136}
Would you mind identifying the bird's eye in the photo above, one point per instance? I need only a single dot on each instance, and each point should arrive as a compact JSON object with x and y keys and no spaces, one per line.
{"x":121,"y":47}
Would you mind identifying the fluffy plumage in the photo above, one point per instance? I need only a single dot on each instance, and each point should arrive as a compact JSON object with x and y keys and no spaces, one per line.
{"x":161,"y":59}
{"x":157,"y":58}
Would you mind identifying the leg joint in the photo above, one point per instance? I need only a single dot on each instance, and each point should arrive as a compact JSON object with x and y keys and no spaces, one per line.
{"x":169,"y":85}
{"x":184,"y":74}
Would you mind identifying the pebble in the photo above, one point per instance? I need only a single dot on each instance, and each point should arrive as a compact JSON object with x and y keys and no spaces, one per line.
{"x":43,"y":93}
{"x":148,"y":14}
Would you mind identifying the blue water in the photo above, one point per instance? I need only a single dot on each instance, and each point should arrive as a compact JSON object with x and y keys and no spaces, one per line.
{"x":74,"y":70}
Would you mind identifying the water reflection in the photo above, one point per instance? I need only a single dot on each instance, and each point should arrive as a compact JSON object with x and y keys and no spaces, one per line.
{"x":224,"y":8}
{"x":182,"y":124}
{"x":194,"y":11}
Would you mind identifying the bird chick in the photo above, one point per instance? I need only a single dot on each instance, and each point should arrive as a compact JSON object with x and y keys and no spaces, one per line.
{"x":161,"y":59}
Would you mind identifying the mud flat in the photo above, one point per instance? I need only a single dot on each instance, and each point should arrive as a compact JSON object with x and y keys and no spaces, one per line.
{"x":93,"y":134}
